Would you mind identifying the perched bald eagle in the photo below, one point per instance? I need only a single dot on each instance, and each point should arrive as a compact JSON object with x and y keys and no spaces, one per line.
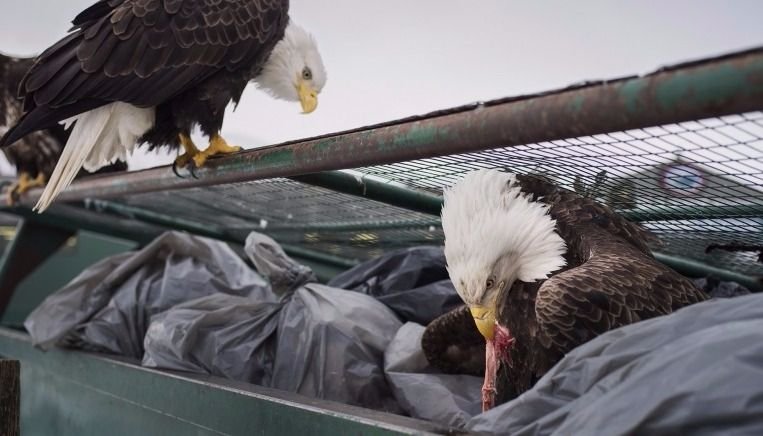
{"x":541,"y":270}
{"x":148,"y":71}
{"x":36,"y":154}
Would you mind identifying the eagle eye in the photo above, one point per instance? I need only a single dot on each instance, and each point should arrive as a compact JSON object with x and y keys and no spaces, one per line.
{"x":490,"y":283}
{"x":307,"y":74}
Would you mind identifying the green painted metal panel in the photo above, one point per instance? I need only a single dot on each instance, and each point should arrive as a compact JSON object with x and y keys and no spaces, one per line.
{"x":324,"y":265}
{"x":143,"y":229}
{"x":86,"y":249}
{"x":76,"y":393}
{"x":692,"y":268}
{"x":33,"y":243}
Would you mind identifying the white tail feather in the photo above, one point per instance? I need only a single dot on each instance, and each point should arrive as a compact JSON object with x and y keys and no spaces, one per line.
{"x":99,"y":137}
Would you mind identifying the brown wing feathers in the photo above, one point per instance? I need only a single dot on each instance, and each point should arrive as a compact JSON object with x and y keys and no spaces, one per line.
{"x":145,"y":52}
{"x":453,"y":344}
{"x":571,"y":208}
{"x":611,"y":280}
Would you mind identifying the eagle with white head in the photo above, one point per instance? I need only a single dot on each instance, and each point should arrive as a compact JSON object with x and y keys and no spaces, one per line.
{"x":150,"y":71}
{"x":541,"y":270}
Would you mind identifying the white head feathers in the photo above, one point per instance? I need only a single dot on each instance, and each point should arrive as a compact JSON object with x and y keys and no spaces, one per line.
{"x":295,"y":58}
{"x":487,"y":219}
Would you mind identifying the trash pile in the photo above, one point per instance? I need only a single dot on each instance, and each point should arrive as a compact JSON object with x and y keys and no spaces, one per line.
{"x":192,"y":304}
{"x":189,"y":303}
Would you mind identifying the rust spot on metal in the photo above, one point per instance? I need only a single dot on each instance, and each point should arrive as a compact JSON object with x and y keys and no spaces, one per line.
{"x":725,"y":85}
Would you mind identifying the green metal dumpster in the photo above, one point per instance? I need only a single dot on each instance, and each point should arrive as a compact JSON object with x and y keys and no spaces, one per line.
{"x":678,"y":150}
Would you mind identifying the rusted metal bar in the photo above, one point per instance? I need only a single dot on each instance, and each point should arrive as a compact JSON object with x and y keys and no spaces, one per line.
{"x":727,"y":85}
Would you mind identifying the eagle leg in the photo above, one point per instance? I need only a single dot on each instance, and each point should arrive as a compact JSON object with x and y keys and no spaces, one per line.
{"x":24,"y":183}
{"x":217,"y":145}
{"x":190,"y":151}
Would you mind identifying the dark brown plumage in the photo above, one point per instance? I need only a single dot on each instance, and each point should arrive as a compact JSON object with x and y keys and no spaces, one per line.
{"x":37,"y":153}
{"x":611,"y":280}
{"x":453,"y":344}
{"x":134,"y":72}
{"x":187,"y":58}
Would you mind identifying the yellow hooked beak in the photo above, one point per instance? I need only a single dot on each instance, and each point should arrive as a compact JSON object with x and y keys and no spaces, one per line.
{"x":308,"y":98}
{"x":485,"y":319}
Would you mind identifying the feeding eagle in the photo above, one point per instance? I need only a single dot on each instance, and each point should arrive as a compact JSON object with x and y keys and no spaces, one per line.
{"x":36,"y":154}
{"x":149,"y":71}
{"x":541,"y":270}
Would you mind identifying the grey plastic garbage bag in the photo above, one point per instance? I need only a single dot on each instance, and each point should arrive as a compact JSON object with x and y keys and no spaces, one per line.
{"x":698,"y":371}
{"x":228,"y":335}
{"x":331,"y":345}
{"x":330,"y":342}
{"x":307,"y":338}
{"x":449,"y":399}
{"x":716,"y":288}
{"x":109,"y":305}
{"x":223,"y":335}
{"x":413,"y":282}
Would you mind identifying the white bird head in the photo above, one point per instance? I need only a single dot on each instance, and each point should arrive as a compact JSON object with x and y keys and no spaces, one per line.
{"x":294,"y":71}
{"x":495,"y":235}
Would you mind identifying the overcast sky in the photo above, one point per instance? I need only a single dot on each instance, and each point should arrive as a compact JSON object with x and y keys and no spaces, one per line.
{"x":392,"y":58}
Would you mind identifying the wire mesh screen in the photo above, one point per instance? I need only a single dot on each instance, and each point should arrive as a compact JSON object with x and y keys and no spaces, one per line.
{"x":698,"y":185}
{"x":298,"y":214}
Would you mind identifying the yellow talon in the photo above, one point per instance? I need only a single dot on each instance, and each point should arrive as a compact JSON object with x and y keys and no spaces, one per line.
{"x":22,"y":185}
{"x":217,"y":145}
{"x":190,"y":151}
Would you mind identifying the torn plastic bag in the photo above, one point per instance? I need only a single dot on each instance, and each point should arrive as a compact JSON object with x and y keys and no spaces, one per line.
{"x":109,"y":305}
{"x":329,"y":343}
{"x":413,"y":282}
{"x":449,"y":399}
{"x":697,"y":371}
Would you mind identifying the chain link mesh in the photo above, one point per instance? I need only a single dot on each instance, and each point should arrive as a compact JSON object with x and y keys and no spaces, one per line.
{"x":697,"y":185}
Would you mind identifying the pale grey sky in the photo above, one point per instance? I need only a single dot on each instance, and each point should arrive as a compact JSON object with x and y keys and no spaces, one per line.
{"x":392,"y":58}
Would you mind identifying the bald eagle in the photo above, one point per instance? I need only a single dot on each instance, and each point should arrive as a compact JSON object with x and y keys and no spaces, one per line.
{"x":36,"y":154}
{"x":149,"y":71}
{"x":541,"y":270}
